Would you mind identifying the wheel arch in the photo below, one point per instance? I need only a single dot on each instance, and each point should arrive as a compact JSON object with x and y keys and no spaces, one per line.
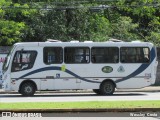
{"x":28,"y":81}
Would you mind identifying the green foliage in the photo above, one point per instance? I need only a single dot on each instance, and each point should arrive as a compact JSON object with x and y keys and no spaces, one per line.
{"x":124,"y":29}
{"x":145,"y":13}
{"x":99,"y":28}
{"x":154,"y":32}
{"x":10,"y":32}
{"x":154,"y":37}
{"x":69,"y":25}
{"x":39,"y":20}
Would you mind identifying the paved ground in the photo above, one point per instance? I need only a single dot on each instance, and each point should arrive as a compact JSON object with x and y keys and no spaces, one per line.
{"x":74,"y":97}
{"x":149,"y":89}
{"x":148,"y":93}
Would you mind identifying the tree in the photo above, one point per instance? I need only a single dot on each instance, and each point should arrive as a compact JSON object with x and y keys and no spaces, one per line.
{"x":99,"y":27}
{"x":154,"y":34}
{"x":10,"y":31}
{"x":39,"y":20}
{"x":124,"y":29}
{"x":142,"y":12}
{"x":69,"y":24}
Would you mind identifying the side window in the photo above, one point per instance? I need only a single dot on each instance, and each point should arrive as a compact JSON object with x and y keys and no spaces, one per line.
{"x":105,"y":55}
{"x":52,"y":55}
{"x":77,"y":55}
{"x":135,"y":55}
{"x":23,"y":60}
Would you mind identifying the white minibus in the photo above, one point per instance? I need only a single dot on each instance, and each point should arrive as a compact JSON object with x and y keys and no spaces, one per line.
{"x":100,"y":66}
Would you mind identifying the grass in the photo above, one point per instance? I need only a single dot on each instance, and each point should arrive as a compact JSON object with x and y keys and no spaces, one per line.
{"x":90,"y":104}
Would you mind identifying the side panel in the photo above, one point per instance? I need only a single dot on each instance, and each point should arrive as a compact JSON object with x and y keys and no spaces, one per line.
{"x":141,"y":76}
{"x":132,"y":77}
{"x":84,"y":75}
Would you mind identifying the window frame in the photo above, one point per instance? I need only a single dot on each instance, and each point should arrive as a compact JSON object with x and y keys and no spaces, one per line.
{"x":149,"y":55}
{"x":103,"y":47}
{"x":33,"y":62}
{"x":77,"y":47}
{"x":44,"y":55}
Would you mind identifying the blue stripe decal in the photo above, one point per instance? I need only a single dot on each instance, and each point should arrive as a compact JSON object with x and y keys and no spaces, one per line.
{"x":140,"y":69}
{"x":56,"y":68}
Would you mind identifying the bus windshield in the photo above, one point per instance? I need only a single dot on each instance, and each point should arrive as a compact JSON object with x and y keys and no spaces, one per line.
{"x":7,"y":60}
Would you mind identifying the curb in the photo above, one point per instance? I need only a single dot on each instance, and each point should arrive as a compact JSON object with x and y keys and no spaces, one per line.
{"x":82,"y":110}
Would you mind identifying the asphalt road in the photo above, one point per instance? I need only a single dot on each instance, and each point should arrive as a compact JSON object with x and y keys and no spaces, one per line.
{"x":147,"y":94}
{"x":66,"y":97}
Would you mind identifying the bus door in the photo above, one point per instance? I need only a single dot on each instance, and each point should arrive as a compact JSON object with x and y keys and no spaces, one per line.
{"x":22,"y":63}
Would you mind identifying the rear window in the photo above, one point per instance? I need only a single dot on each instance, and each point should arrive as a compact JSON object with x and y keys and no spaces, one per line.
{"x":135,"y":54}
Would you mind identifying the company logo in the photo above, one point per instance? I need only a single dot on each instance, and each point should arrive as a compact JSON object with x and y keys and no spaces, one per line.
{"x":121,"y":69}
{"x":107,"y":69}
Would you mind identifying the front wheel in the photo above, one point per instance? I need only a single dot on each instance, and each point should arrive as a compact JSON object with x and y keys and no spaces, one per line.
{"x":27,"y":89}
{"x":107,"y":88}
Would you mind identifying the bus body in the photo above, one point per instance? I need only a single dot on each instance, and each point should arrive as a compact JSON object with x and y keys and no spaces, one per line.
{"x":101,"y":66}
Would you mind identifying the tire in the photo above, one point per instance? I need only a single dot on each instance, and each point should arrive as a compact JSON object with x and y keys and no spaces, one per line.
{"x":107,"y":88}
{"x":27,"y":89}
{"x":97,"y":91}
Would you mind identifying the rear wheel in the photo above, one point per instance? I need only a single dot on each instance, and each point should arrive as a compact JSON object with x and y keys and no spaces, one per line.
{"x":27,"y":89}
{"x":107,"y":88}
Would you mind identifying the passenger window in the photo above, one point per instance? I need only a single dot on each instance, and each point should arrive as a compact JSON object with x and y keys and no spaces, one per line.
{"x":23,"y":60}
{"x":77,"y":55}
{"x":105,"y":55}
{"x":135,"y":55}
{"x":53,"y":55}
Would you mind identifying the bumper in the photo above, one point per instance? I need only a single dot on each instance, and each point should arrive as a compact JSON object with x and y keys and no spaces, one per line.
{"x":5,"y":87}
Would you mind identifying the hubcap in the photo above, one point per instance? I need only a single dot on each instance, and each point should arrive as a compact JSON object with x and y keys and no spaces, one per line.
{"x":108,"y":88}
{"x":28,"y":89}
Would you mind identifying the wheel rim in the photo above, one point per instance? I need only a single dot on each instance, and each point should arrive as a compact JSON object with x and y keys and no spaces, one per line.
{"x":28,"y":89}
{"x":108,"y":88}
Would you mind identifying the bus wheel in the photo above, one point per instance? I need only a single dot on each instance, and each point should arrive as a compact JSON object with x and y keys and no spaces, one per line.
{"x":27,"y":89}
{"x":107,"y":88}
{"x":97,"y":91}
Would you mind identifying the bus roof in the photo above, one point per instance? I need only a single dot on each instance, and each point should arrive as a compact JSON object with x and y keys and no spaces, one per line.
{"x":85,"y":43}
